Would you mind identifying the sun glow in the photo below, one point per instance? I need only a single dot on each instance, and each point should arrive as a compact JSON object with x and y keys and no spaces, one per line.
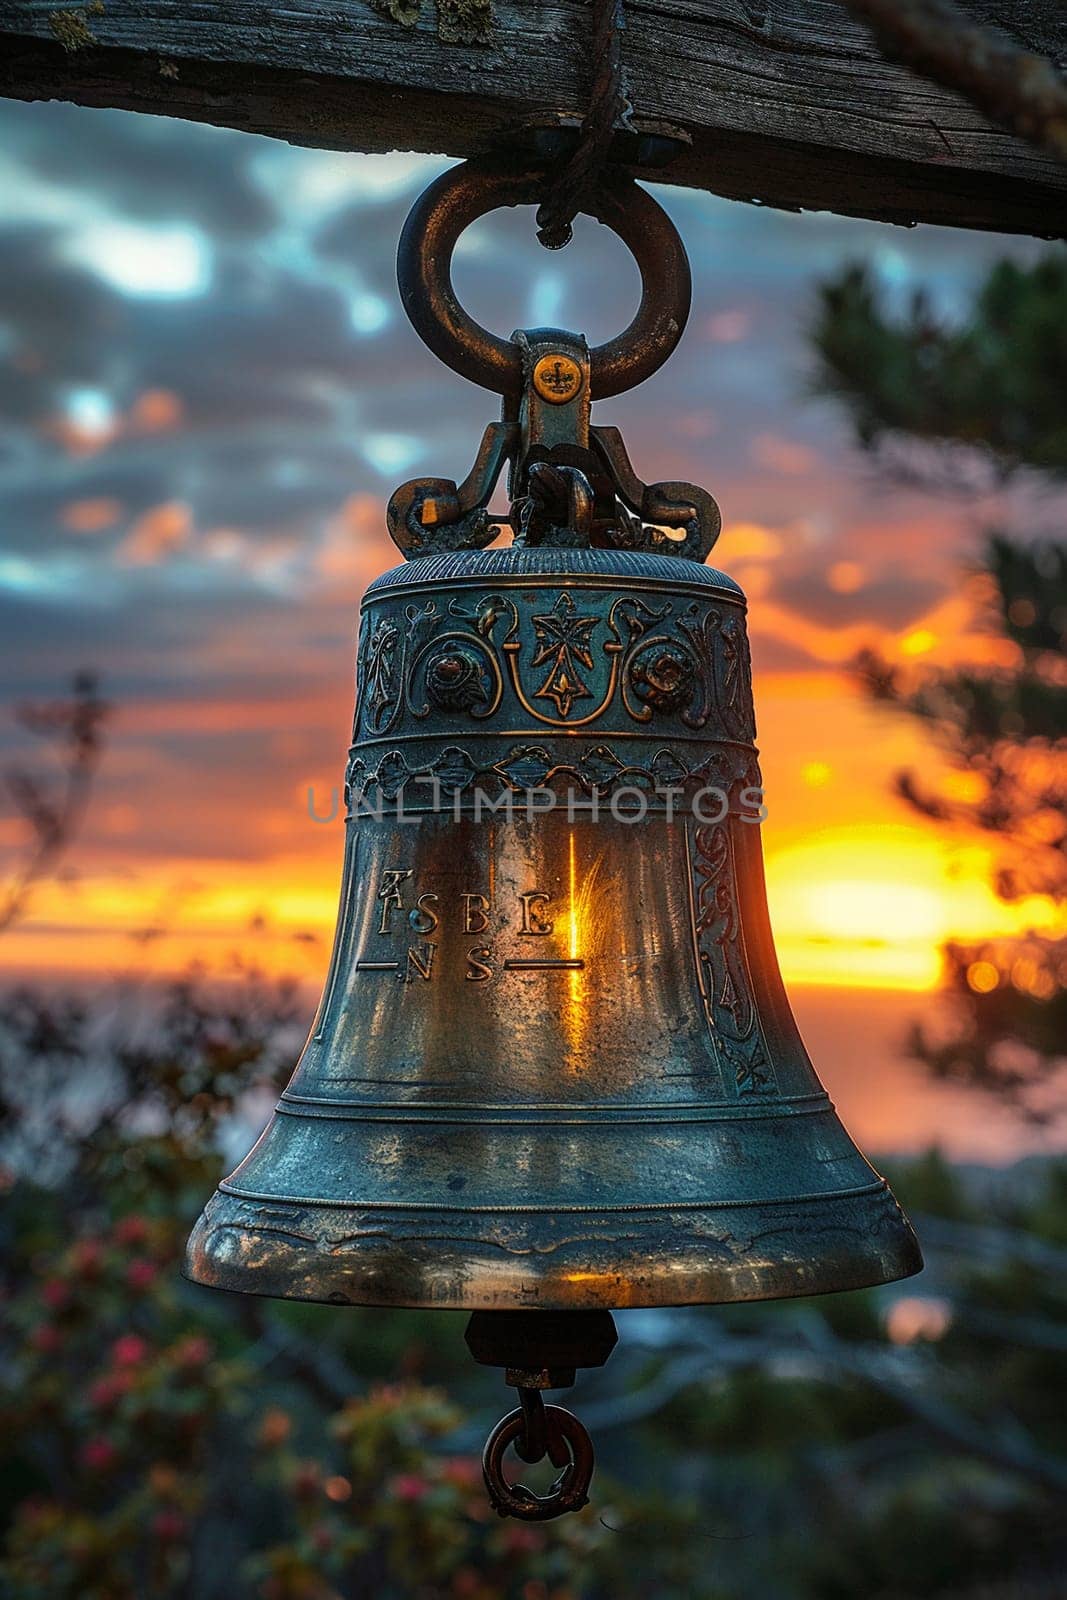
{"x":852,"y":907}
{"x":581,"y":936}
{"x":869,"y":907}
{"x":573,"y":916}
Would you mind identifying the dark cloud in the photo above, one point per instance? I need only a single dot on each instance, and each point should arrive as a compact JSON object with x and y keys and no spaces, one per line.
{"x":154,"y":168}
{"x":60,"y":325}
{"x":893,"y":599}
{"x":772,"y":653}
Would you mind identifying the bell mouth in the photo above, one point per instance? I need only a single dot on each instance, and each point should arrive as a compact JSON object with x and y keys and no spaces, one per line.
{"x":688,"y":1254}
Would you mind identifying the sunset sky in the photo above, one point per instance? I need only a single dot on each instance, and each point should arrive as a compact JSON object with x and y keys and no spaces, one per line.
{"x":208,"y":392}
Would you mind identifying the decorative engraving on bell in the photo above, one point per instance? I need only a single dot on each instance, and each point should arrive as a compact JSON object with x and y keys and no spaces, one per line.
{"x":554,"y":1066}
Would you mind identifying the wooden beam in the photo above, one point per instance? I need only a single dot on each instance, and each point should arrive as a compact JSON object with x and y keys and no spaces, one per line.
{"x":786,"y":102}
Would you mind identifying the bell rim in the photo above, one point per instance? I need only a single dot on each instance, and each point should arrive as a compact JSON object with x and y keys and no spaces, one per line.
{"x":866,"y":1241}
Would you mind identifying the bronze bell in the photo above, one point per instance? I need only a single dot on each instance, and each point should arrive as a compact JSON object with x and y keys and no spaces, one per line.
{"x":554,"y":1067}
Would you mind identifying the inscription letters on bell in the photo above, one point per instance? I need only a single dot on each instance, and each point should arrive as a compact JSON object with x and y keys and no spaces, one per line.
{"x":404,"y":911}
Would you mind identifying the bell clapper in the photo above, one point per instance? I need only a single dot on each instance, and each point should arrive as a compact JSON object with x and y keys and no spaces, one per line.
{"x":559,"y":1435}
{"x":540,"y":1350}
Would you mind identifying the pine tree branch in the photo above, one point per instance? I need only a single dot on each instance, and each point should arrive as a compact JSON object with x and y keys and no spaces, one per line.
{"x":990,"y":1244}
{"x":904,"y":1376}
{"x":322,"y":1371}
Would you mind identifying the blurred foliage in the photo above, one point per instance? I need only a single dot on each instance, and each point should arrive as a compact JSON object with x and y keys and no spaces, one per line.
{"x":994,"y":382}
{"x":162,"y":1440}
{"x":1005,"y":727}
{"x":51,"y":806}
{"x":991,"y":387}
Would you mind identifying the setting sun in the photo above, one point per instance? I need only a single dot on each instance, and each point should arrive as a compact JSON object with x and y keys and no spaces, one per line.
{"x":869,"y":907}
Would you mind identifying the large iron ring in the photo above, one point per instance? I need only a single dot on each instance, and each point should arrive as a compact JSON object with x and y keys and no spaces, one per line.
{"x":464,"y":193}
{"x":567,"y":1446}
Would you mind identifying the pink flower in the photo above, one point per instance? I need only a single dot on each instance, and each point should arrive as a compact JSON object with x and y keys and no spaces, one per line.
{"x":306,"y":1481}
{"x":141,"y":1275}
{"x":461,"y":1471}
{"x":169,"y":1525}
{"x":131,"y":1230}
{"x":88,"y":1257}
{"x":408,"y":1486}
{"x":129,"y":1351}
{"x":522,"y":1541}
{"x":55,"y":1292}
{"x":98,"y":1454}
{"x":104,"y":1392}
{"x":193,"y":1352}
{"x":46,"y":1338}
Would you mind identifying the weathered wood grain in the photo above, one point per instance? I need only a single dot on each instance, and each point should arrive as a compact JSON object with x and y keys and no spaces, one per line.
{"x":786,"y":102}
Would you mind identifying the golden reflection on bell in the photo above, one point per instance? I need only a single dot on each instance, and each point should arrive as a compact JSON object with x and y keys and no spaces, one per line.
{"x":554,"y":1065}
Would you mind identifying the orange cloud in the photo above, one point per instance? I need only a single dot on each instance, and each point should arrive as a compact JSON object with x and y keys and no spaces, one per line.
{"x":352,"y":545}
{"x":776,"y":454}
{"x":157,"y":534}
{"x":155,"y":411}
{"x":846,"y":577}
{"x":945,"y":635}
{"x":748,"y":541}
{"x":91,"y":516}
{"x":728,"y":327}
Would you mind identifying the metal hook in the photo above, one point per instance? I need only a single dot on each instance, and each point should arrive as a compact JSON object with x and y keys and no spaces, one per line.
{"x":464,"y":193}
{"x":547,"y":1430}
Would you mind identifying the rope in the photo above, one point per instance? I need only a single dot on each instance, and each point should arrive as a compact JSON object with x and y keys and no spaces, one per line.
{"x":609,"y":105}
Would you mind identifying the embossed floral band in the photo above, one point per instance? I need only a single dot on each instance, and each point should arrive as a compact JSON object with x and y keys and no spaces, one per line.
{"x":554,"y":1070}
